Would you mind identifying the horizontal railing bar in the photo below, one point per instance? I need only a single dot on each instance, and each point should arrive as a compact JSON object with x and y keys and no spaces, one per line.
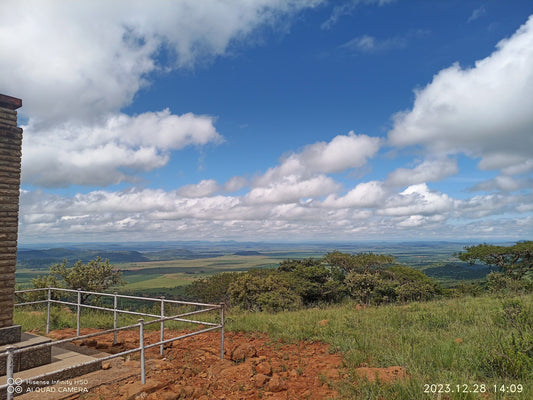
{"x":192,"y":321}
{"x":123,"y":296}
{"x":31,"y":302}
{"x":181,"y":320}
{"x":180,"y":315}
{"x":169,"y":301}
{"x":139,"y":313}
{"x":132,"y":312}
{"x":192,"y":303}
{"x":30,"y":290}
{"x":103,"y":308}
{"x":69,"y":303}
{"x":182,"y":337}
{"x":62,"y":289}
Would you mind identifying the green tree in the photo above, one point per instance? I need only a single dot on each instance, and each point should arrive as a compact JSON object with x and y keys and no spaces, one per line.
{"x":313,"y":281}
{"x":95,"y":276}
{"x":212,"y":289}
{"x":395,"y":283}
{"x":505,"y":284}
{"x":362,"y":286}
{"x":263,"y":290}
{"x":515,"y":261}
{"x":360,"y":262}
{"x":413,"y":285}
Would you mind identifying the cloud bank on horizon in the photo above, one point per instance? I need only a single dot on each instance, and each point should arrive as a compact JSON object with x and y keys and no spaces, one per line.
{"x":456,"y":162}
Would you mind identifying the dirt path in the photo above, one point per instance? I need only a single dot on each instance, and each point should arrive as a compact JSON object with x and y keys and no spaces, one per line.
{"x":254,"y":367}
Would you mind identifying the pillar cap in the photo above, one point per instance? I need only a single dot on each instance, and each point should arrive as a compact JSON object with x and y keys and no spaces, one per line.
{"x":9,"y":102}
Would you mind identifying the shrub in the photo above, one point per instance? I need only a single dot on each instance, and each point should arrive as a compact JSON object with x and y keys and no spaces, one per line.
{"x":362,"y":286}
{"x":313,"y":281}
{"x":513,"y":356}
{"x":397,"y":283}
{"x":258,"y":290}
{"x":502,"y":283}
{"x":469,"y":288}
{"x":213,"y":289}
{"x":413,"y":285}
{"x":415,"y":291}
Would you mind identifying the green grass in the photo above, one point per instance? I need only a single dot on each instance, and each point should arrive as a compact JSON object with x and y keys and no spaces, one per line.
{"x":207,"y":265}
{"x":421,"y":337}
{"x":152,"y":281}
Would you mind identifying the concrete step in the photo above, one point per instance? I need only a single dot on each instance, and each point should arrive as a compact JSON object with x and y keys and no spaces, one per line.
{"x":62,"y":356}
{"x":119,"y":371}
{"x":30,"y":359}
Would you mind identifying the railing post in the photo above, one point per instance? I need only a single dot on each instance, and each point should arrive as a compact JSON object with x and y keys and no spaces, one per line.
{"x":141,"y":346}
{"x":222,"y":331}
{"x":78,"y":313}
{"x":9,"y":372}
{"x":162,"y":328}
{"x":115,"y":303}
{"x":48,"y":311}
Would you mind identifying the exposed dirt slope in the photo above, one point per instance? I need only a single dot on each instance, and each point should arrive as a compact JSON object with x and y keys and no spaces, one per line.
{"x":254,"y":367}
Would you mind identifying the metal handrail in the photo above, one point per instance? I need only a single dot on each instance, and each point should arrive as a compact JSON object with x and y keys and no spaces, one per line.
{"x":122,"y":296}
{"x":11,"y":351}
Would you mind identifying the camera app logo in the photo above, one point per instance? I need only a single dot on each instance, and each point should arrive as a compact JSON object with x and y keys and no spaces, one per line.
{"x":14,"y":385}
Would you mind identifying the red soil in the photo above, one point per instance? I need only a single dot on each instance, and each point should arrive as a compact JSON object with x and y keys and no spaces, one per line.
{"x":254,"y":367}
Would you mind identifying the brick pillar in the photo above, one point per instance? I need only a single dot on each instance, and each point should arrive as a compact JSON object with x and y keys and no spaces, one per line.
{"x":10,"y":156}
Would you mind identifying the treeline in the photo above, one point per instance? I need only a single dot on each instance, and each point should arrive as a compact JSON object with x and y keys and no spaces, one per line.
{"x":367,"y":278}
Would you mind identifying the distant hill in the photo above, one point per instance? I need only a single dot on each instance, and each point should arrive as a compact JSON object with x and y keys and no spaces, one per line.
{"x":179,"y":254}
{"x":43,"y":259}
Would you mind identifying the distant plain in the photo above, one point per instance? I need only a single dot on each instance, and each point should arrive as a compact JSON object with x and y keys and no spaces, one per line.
{"x":165,"y":265}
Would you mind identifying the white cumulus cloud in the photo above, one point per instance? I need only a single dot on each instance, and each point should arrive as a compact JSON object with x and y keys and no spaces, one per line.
{"x":417,"y":200}
{"x":427,"y":171}
{"x":292,"y":188}
{"x":342,"y":153}
{"x":110,"y":152}
{"x":368,"y":194}
{"x":204,"y":188}
{"x":483,"y":111}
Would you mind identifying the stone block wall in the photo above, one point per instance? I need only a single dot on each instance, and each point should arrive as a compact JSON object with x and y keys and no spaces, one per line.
{"x":10,"y":158}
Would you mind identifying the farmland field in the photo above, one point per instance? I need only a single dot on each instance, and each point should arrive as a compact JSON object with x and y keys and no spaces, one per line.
{"x":172,"y":273}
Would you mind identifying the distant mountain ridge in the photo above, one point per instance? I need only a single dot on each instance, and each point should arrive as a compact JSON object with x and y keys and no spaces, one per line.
{"x":46,"y":258}
{"x":43,"y":259}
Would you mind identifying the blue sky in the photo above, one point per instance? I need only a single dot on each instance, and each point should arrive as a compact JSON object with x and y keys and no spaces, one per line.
{"x":272,"y":120}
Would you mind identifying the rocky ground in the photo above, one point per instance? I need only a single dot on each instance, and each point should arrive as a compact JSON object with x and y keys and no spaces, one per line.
{"x":254,"y":367}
